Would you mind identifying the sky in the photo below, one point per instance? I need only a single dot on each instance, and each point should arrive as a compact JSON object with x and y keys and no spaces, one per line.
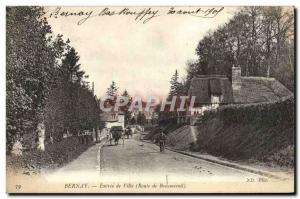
{"x":139,"y":57}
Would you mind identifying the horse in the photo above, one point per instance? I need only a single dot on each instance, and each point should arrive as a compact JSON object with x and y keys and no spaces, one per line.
{"x":128,"y":132}
{"x":116,"y":135}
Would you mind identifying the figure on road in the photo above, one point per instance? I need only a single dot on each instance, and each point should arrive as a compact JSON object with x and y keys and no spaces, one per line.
{"x":128,"y":132}
{"x":162,"y":141}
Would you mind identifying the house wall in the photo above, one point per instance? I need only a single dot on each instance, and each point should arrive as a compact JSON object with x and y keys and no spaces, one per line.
{"x":200,"y":110}
{"x":215,"y":100}
{"x":215,"y":103}
{"x":120,"y":122}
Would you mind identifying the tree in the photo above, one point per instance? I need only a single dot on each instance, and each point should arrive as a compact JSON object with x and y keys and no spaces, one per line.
{"x":46,"y":93}
{"x":126,"y":107}
{"x":258,"y":39}
{"x":175,"y":85}
{"x":192,"y":69}
{"x":112,"y":91}
{"x":31,"y":61}
{"x":72,"y":104}
{"x":70,"y":78}
{"x":70,"y":69}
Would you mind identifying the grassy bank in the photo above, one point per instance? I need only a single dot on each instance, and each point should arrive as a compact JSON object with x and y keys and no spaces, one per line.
{"x":55,"y":155}
{"x":168,"y":126}
{"x":263,"y":132}
{"x":252,"y":132}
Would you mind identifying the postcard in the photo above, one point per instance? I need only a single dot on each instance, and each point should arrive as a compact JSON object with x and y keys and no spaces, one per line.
{"x":150,"y":99}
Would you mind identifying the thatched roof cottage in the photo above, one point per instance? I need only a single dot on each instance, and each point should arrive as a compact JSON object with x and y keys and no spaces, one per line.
{"x":217,"y":89}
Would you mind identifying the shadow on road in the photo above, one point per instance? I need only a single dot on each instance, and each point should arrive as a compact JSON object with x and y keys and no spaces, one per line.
{"x":152,"y":152}
{"x":109,"y":145}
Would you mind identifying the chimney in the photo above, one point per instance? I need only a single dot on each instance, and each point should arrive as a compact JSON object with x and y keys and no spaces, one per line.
{"x":236,"y":78}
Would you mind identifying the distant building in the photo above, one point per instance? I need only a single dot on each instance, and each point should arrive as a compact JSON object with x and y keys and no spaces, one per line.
{"x":211,"y":91}
{"x":113,"y":119}
{"x":150,"y":113}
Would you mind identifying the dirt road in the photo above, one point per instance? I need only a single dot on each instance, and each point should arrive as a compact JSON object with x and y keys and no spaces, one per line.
{"x":137,"y":159}
{"x":138,"y":164}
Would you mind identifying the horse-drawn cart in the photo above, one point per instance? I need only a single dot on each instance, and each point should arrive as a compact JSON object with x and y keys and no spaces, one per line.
{"x":115,"y":134}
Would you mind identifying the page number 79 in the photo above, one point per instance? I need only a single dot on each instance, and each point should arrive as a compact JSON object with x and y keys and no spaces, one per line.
{"x":18,"y":187}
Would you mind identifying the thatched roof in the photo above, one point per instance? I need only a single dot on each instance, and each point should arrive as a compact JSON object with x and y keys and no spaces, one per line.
{"x":204,"y":86}
{"x":260,"y":89}
{"x":253,"y":90}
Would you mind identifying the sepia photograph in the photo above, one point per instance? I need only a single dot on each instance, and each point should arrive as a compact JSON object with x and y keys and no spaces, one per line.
{"x":150,"y":99}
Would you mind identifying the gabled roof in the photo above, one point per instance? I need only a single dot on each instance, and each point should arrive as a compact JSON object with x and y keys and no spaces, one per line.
{"x":202,"y":87}
{"x":260,"y":89}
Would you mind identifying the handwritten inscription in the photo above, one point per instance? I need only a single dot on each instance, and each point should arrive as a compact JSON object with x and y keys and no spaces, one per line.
{"x":140,"y":14}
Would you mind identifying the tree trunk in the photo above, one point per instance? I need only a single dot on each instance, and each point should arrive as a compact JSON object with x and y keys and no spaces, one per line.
{"x":98,"y":135}
{"x":41,"y":136}
{"x":94,"y":135}
{"x":268,"y":70}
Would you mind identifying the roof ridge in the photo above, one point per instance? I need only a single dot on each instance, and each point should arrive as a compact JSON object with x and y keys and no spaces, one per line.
{"x":258,"y":78}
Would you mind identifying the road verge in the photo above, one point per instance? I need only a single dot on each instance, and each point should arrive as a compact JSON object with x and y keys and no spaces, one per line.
{"x":99,"y":154}
{"x":226,"y":163}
